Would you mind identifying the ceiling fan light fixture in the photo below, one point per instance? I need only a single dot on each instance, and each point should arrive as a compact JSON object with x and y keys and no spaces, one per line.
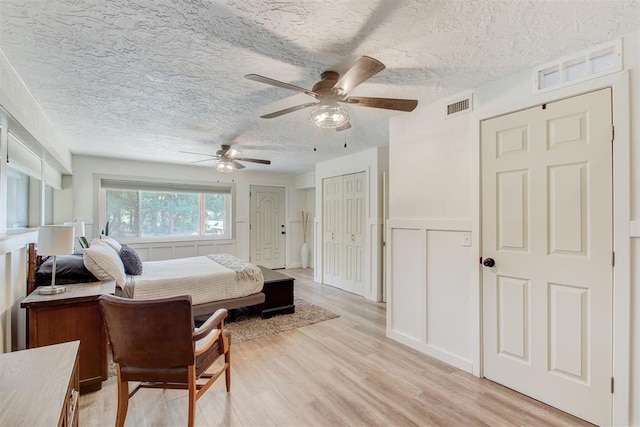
{"x":225,"y":166}
{"x":329,"y":116}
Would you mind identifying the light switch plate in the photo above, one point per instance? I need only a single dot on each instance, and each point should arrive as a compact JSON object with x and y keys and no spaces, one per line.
{"x":466,"y":238}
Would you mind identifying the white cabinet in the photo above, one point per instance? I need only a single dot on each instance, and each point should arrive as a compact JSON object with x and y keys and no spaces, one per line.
{"x":343,"y":204}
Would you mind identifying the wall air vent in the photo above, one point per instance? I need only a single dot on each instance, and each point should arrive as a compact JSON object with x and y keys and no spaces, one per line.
{"x":459,"y":106}
{"x":585,"y":65}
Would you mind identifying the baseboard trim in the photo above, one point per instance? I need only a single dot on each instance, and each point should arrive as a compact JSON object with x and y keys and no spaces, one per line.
{"x":429,"y":350}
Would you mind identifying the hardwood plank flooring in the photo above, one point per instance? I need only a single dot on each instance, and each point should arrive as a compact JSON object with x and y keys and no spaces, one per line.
{"x":339,"y":372}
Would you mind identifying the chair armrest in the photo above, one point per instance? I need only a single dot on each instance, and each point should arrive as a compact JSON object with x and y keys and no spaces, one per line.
{"x":215,"y":321}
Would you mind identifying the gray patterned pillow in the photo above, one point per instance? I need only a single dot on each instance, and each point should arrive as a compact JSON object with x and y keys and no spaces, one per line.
{"x":131,"y":260}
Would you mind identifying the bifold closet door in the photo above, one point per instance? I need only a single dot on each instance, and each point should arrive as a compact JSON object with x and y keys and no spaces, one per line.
{"x":353,"y":233}
{"x":344,"y":231}
{"x":332,"y":234}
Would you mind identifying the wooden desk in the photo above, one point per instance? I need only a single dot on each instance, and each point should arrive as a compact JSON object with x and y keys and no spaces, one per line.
{"x":39,"y":387}
{"x":73,"y":315}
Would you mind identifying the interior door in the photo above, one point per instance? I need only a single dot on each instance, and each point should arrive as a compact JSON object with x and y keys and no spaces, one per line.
{"x":268,"y":231}
{"x":332,"y":229}
{"x":354,"y":232}
{"x":547,"y":226}
{"x":348,"y":237}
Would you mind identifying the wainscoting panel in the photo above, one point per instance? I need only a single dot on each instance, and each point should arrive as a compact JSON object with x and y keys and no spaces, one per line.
{"x":448,"y":292}
{"x":429,"y":273}
{"x":158,"y":251}
{"x":13,"y":288}
{"x":407,"y":300}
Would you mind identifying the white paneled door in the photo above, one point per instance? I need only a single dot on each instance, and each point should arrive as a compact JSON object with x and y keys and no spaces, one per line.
{"x":547,"y":228}
{"x":353,"y":233}
{"x":268,"y":230}
{"x":332,"y":235}
{"x":343,"y":204}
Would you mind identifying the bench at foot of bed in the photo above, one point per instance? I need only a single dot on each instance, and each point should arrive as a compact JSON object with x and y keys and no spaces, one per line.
{"x":278,"y":291}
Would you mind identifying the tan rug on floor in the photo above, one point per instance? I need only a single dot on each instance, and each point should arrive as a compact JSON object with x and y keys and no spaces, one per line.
{"x":250,"y":325}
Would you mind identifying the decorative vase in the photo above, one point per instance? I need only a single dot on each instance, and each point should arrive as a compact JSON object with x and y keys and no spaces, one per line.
{"x":304,"y":254}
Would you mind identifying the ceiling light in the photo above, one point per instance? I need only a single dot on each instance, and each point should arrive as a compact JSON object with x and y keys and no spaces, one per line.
{"x":225,"y":166}
{"x":329,"y":116}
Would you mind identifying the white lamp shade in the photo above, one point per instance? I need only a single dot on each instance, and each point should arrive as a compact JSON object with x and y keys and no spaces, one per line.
{"x":55,"y":240}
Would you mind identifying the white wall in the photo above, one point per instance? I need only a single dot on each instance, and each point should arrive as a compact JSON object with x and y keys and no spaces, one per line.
{"x":374,"y":162}
{"x":430,"y":189}
{"x":434,"y":196}
{"x":85,"y":199}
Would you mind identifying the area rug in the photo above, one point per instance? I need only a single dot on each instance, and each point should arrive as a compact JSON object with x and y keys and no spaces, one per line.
{"x":249,"y":325}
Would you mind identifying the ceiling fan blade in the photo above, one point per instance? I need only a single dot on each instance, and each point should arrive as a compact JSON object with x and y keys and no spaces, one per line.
{"x":205,"y":160}
{"x":199,"y":154}
{"x":272,"y":82}
{"x":244,"y":159}
{"x":364,"y":68}
{"x":288,"y":110}
{"x":237,"y":165}
{"x":386,"y":103}
{"x":344,"y":127}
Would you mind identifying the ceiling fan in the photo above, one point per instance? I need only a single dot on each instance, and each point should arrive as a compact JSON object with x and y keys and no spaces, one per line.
{"x":333,"y":89}
{"x":228,"y":159}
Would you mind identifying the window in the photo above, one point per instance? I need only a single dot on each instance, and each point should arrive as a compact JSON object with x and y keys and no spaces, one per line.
{"x":588,"y":64}
{"x":151,"y":210}
{"x":17,"y":199}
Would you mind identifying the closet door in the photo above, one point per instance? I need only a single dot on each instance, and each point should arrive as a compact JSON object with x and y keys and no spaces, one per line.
{"x":343,"y":201}
{"x":358,"y":231}
{"x":348,"y":236}
{"x":353,"y":233}
{"x":332,"y":235}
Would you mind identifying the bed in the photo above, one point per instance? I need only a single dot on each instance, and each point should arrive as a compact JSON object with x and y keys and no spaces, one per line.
{"x":213,"y":281}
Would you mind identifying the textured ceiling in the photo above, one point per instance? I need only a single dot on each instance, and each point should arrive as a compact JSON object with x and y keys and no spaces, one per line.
{"x":144,"y":79}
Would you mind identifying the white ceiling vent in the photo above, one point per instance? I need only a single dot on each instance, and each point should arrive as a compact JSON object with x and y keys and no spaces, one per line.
{"x":459,"y":106}
{"x":585,"y":65}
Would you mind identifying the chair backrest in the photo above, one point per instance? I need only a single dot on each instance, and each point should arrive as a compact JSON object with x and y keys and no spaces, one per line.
{"x":153,"y":333}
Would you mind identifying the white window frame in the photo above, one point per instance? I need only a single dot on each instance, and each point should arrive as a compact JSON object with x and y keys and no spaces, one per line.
{"x":164,"y":185}
{"x":586,"y":55}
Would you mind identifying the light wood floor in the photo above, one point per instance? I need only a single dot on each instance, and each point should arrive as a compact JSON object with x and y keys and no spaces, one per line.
{"x":339,"y":372}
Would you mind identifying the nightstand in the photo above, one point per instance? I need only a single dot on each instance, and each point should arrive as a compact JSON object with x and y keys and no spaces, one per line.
{"x":69,"y":316}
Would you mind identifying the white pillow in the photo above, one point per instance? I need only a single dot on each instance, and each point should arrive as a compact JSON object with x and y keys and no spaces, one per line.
{"x":111,"y":242}
{"x":104,"y":263}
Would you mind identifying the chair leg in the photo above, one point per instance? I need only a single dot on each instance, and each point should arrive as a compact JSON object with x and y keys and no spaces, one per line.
{"x":192,"y":395}
{"x":123,"y":399}
{"x":227,"y":373}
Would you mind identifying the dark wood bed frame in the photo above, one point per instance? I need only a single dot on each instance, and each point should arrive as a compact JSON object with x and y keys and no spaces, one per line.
{"x":276,"y":296}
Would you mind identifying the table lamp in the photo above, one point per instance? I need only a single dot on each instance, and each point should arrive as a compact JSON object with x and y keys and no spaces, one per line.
{"x":54,"y":240}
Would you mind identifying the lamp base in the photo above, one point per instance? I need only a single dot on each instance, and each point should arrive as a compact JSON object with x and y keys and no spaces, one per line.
{"x":51,"y":290}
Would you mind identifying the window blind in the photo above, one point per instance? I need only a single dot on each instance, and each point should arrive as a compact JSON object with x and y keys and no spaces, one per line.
{"x":116,"y":184}
{"x":23,"y":159}
{"x":52,"y":177}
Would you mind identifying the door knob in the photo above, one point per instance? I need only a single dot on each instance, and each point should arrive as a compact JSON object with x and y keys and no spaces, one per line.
{"x":488,"y":262}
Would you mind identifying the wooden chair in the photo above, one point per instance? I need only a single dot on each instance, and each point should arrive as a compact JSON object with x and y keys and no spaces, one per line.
{"x":155,"y":342}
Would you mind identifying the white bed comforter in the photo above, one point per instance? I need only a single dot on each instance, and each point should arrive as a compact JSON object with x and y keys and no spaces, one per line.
{"x":201,"y":277}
